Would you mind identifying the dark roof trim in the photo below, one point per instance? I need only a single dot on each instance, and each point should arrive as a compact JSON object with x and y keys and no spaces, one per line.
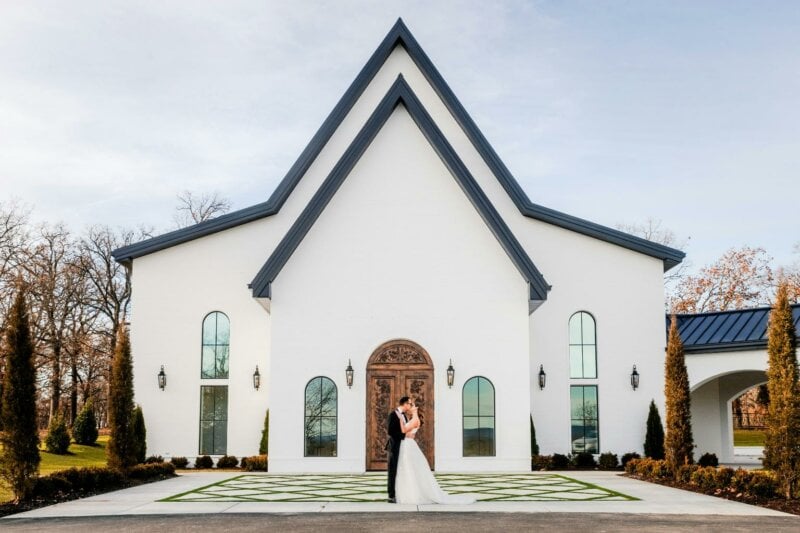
{"x":399,"y":94}
{"x":400,"y":35}
{"x":725,"y":347}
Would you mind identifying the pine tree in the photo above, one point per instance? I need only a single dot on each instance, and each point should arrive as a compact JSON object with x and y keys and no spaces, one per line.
{"x":782,"y":443}
{"x":84,"y":430}
{"x":534,"y":444}
{"x":57,"y":440}
{"x":121,"y":446}
{"x":263,"y":447}
{"x":678,"y":444}
{"x":139,"y":435}
{"x":654,"y":438}
{"x":19,"y":459}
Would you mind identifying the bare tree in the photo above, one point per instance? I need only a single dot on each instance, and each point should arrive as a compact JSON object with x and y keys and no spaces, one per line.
{"x":653,"y":230}
{"x":13,"y":241}
{"x":192,"y":208}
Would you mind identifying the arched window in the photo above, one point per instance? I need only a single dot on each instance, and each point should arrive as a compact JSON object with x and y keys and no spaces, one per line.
{"x":320,"y":418}
{"x":582,"y":346}
{"x":478,"y":417}
{"x":216,"y":346}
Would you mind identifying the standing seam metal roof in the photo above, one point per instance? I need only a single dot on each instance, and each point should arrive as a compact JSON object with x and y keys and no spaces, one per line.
{"x":725,"y":331}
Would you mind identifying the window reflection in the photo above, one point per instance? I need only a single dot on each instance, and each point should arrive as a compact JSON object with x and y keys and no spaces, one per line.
{"x":584,"y":415}
{"x":216,"y":346}
{"x":213,"y":420}
{"x":320,"y":418}
{"x":478,"y":417}
{"x":582,"y":346}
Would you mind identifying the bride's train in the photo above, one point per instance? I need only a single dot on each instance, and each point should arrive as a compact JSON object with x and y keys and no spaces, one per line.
{"x":415,"y":483}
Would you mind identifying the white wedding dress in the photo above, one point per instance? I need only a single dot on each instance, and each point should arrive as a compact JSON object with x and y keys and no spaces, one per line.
{"x":415,"y":483}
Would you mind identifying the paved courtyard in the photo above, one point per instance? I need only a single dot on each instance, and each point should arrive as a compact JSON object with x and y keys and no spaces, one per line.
{"x":228,"y":493}
{"x":372,"y":488}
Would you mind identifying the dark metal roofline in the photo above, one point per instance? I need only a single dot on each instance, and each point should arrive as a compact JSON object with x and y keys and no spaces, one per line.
{"x":747,"y":337}
{"x":399,"y":94}
{"x":400,"y":35}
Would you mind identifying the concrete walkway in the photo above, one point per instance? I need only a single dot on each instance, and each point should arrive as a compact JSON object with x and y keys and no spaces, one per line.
{"x":143,"y":500}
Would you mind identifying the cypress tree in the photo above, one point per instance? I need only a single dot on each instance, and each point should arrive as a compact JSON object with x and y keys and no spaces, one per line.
{"x":263,"y":447}
{"x":139,"y":435}
{"x":782,"y":443}
{"x":84,"y":431}
{"x":121,"y":446}
{"x":534,"y":444}
{"x":654,"y":438}
{"x":19,"y":459}
{"x":678,"y":444}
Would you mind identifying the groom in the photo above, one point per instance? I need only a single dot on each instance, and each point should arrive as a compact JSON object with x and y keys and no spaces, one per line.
{"x":396,"y":435}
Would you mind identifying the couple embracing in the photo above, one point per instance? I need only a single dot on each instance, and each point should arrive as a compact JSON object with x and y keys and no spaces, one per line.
{"x":410,"y":478}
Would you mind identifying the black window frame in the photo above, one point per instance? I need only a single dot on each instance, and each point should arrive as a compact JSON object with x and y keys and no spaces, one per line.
{"x":596,"y":418}
{"x":213,"y":420}
{"x":582,"y":345}
{"x":335,"y":417}
{"x":216,"y":345}
{"x":492,"y":452}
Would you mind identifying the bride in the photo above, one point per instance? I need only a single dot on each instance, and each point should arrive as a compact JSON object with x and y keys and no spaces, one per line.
{"x":415,"y":482}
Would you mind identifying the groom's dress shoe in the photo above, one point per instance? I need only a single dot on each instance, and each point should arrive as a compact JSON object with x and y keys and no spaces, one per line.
{"x":391,"y":500}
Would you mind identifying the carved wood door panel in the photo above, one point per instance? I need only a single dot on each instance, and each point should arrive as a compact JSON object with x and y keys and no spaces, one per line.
{"x":398,"y":368}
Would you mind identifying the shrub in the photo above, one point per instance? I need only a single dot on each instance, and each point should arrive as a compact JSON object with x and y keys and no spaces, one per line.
{"x":91,"y":479}
{"x":204,"y":461}
{"x":583,"y":460}
{"x":153,"y":459}
{"x":608,"y":461}
{"x":723,"y":477}
{"x":57,"y":440}
{"x":685,"y":472}
{"x":84,"y":430}
{"x":627,"y":457}
{"x":139,"y":435}
{"x":121,"y":448}
{"x":48,"y":487}
{"x":179,"y":462}
{"x":708,"y":459}
{"x":678,"y":443}
{"x":654,"y":438}
{"x":256,"y":463}
{"x":227,"y":461}
{"x":705,"y":478}
{"x":541,"y":462}
{"x":630,"y":465}
{"x":763,"y":485}
{"x":560,"y":462}
{"x":650,"y":468}
{"x":534,"y":444}
{"x":263,"y":447}
{"x":152,"y":471}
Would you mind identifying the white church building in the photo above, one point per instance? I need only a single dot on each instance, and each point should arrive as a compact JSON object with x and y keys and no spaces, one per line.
{"x":399,"y":256}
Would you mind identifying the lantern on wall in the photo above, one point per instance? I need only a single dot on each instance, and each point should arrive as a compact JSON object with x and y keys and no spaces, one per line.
{"x":256,"y":378}
{"x":162,"y":378}
{"x":348,"y":374}
{"x":451,"y":374}
{"x":634,"y":378}
{"x":542,"y":377}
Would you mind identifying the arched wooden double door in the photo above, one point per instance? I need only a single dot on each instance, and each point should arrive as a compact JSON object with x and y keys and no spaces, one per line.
{"x":398,"y":368}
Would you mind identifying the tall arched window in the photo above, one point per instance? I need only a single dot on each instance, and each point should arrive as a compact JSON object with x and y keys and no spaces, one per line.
{"x":582,"y":346}
{"x":478,"y":417}
{"x":320,"y":418}
{"x":216,"y":346}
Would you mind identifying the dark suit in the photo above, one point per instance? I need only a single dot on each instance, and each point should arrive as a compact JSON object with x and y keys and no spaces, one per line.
{"x":396,"y":436}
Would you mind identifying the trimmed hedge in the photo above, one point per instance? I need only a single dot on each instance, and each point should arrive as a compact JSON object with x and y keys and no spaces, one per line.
{"x":627,"y":457}
{"x":708,"y":459}
{"x":179,"y":462}
{"x":57,"y":440}
{"x":708,"y":478}
{"x":227,"y":461}
{"x":583,"y":460}
{"x":204,"y":461}
{"x":152,"y":471}
{"x":608,"y":461}
{"x":153,"y":459}
{"x":256,"y":463}
{"x":560,"y":462}
{"x":542,"y":462}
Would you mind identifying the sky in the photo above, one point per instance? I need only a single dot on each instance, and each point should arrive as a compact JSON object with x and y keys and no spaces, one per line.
{"x":683,"y":111}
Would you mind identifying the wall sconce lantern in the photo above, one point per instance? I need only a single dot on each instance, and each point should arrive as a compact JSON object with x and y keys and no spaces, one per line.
{"x":162,"y":378}
{"x":634,"y":378}
{"x":256,"y":378}
{"x":348,"y":374}
{"x":451,"y":374}
{"x":542,"y":377}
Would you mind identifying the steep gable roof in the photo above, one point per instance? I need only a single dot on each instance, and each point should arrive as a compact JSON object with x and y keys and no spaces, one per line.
{"x":401,"y":94}
{"x":399,"y":35}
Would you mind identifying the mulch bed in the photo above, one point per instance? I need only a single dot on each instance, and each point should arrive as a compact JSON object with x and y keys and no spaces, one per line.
{"x":9,"y":508}
{"x":777,"y":504}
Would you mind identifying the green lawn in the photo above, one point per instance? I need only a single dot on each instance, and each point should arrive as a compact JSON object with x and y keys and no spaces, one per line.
{"x":748,"y":437}
{"x":79,"y":456}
